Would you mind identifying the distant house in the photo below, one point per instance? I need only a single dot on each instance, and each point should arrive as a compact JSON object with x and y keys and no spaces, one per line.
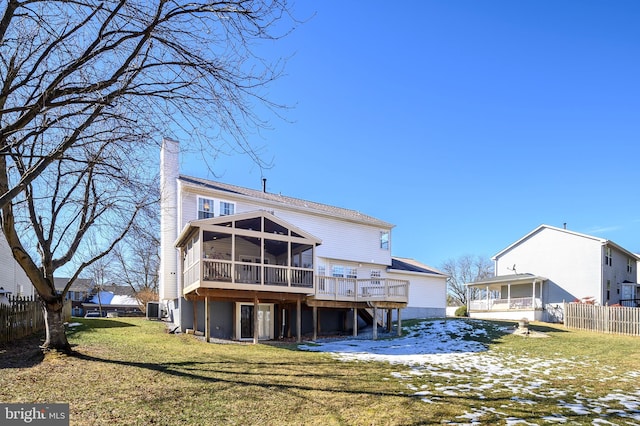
{"x":113,"y":299}
{"x":78,"y":293}
{"x":550,"y":265}
{"x":12,"y":278}
{"x":240,"y":263}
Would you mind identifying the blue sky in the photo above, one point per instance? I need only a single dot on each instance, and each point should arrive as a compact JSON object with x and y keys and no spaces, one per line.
{"x":465,"y":123}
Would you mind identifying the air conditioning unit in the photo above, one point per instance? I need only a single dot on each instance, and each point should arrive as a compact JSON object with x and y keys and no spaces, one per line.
{"x":153,"y":310}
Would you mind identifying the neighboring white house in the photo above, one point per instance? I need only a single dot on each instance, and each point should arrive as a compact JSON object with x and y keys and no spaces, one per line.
{"x":308,"y":267}
{"x":549,"y":266}
{"x":12,"y":278}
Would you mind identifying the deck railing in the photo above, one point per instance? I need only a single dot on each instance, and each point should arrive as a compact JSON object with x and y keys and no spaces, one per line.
{"x":353,"y":289}
{"x":227,"y":271}
{"x":327,"y":288}
{"x":515,"y":303}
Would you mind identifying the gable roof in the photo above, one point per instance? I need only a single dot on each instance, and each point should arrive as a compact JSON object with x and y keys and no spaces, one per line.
{"x":566,"y":231}
{"x":80,"y":284}
{"x":410,"y":265}
{"x":194,"y":224}
{"x":284,"y":201}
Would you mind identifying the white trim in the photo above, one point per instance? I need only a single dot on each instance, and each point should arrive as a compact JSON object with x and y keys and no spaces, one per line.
{"x":270,"y":325}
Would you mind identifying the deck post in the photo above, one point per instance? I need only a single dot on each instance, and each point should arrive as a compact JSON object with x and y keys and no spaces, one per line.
{"x":299,"y":320}
{"x":315,"y":323}
{"x":389,"y":317}
{"x":256,"y":329}
{"x":355,"y":321}
{"x":207,"y":325}
{"x":399,"y":322}
{"x":195,"y":315}
{"x":375,"y":322}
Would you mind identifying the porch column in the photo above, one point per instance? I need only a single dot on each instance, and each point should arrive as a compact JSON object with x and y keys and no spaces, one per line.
{"x":207,"y":326}
{"x":299,"y":320}
{"x":533,"y":300}
{"x":487,"y":294}
{"x":315,"y":323}
{"x":256,"y":321}
{"x":399,"y":322}
{"x":375,"y":322}
{"x":509,"y":296}
{"x":355,"y":322}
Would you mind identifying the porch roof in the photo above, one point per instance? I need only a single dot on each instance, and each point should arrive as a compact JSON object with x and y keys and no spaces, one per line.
{"x":507,"y":279}
{"x":196,"y":224}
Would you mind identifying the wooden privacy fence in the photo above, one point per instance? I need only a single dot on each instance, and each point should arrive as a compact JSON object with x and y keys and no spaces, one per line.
{"x":23,"y":316}
{"x":605,"y":319}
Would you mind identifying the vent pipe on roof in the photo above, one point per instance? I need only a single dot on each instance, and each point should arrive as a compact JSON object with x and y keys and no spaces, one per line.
{"x":264,"y":184}
{"x":564,"y":225}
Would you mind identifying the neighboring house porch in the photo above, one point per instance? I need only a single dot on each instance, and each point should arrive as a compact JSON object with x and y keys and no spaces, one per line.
{"x":507,"y":297}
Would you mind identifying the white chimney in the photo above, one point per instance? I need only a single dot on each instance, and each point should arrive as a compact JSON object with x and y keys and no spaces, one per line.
{"x":169,"y":171}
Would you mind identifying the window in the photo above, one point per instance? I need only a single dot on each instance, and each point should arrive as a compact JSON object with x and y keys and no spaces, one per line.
{"x":337,"y":271}
{"x":629,"y":265}
{"x":352,"y":272}
{"x":375,"y":276}
{"x":384,"y":240}
{"x":608,"y":289}
{"x":205,"y":208}
{"x":226,"y":208}
{"x":607,"y":257}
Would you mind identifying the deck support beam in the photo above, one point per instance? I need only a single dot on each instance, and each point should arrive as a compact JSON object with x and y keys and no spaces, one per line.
{"x":399,"y":322}
{"x":355,"y":322}
{"x":256,"y":322}
{"x":375,"y":322}
{"x":315,"y":323}
{"x":299,"y":320}
{"x":207,"y":322}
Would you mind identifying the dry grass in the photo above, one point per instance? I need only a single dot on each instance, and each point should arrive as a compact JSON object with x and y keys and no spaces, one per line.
{"x":130,"y":371}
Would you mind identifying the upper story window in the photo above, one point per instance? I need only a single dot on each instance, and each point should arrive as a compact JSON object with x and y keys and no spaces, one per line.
{"x":384,"y":240}
{"x":608,"y":257}
{"x":208,"y":207}
{"x":629,"y":265}
{"x":226,"y":208}
{"x":205,"y":208}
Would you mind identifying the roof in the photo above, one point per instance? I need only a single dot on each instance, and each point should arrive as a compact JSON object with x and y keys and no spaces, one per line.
{"x":80,"y":284}
{"x":410,"y":265}
{"x":566,"y":231}
{"x":107,"y":298}
{"x":290,"y":202}
{"x":513,"y":278}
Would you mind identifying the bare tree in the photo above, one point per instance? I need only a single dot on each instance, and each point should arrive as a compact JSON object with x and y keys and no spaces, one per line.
{"x":87,"y":88}
{"x":137,"y":258}
{"x":462,"y":270}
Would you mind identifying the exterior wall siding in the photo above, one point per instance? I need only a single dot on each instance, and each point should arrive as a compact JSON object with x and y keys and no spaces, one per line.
{"x":427,"y":295}
{"x":348,"y":241}
{"x":616,"y":274}
{"x":13,"y":277}
{"x":572,"y":263}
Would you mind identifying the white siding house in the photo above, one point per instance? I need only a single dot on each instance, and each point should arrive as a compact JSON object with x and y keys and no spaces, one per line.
{"x":307,"y":267}
{"x":549,"y":266}
{"x":13,"y":280}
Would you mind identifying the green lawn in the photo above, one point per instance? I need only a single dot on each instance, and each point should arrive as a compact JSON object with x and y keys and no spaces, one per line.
{"x":130,"y":371}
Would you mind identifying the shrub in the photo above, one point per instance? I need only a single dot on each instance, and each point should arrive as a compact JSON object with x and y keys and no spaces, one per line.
{"x":461,"y":311}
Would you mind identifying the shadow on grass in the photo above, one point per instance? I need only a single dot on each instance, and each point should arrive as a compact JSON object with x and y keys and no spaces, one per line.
{"x":194,"y":371}
{"x":22,"y":353}
{"x":104,"y":323}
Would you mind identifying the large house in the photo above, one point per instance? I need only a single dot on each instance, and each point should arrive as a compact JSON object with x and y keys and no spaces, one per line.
{"x":240,"y":263}
{"x":549,"y":266}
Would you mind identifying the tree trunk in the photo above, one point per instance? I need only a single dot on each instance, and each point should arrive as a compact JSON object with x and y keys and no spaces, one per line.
{"x":56,"y":337}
